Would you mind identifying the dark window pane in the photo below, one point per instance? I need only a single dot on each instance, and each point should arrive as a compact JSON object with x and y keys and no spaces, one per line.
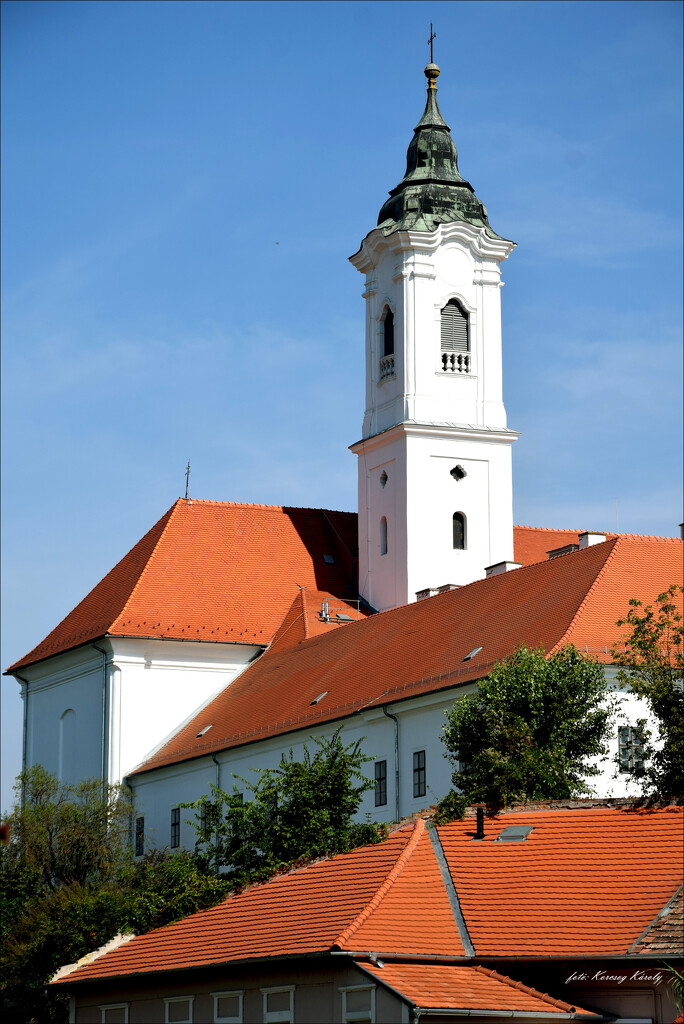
{"x":380,"y":783}
{"x":419,"y":773}
{"x":389,"y":334}
{"x":139,"y":837}
{"x":459,"y":531}
{"x":175,"y":826}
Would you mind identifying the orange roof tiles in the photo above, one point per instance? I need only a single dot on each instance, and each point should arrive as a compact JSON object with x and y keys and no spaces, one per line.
{"x":213,"y":571}
{"x":228,"y":572}
{"x":421,"y":647}
{"x":558,"y":892}
{"x":554,"y":895}
{"x":446,"y":986}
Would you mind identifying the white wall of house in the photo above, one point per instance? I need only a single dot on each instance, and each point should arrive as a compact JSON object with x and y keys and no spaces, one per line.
{"x":419,"y":720}
{"x":94,"y":714}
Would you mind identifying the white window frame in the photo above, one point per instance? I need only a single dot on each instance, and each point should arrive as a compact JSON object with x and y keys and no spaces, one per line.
{"x":274,"y":1016}
{"x":179,"y":999}
{"x":354,"y":1015}
{"x":113,"y":1006}
{"x":223,"y":995}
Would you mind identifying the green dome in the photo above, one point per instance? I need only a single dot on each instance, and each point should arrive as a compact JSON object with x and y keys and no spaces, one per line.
{"x":432,"y":190}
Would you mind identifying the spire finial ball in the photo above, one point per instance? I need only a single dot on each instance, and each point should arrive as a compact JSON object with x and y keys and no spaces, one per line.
{"x":431,"y":71}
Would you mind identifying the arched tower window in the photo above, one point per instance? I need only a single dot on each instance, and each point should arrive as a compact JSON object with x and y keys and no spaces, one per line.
{"x":455,"y":338}
{"x":383,"y":536}
{"x":387,"y":346}
{"x":459,"y":531}
{"x":388,"y":333}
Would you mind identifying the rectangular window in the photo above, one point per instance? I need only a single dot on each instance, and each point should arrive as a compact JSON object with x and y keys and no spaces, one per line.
{"x":228,"y":1007}
{"x":279,"y":1005}
{"x":139,"y":837}
{"x":631,"y":748}
{"x":358,"y":1004}
{"x":179,"y":1011}
{"x":114,"y":1013}
{"x":380,"y":783}
{"x":419,"y":773}
{"x":175,"y":827}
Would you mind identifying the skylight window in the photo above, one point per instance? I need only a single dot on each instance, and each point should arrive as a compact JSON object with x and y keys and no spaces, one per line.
{"x":319,"y":697}
{"x":328,"y":559}
{"x":204,"y":730}
{"x":514,"y":834}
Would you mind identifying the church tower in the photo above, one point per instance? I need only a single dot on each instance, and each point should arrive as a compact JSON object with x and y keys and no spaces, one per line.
{"x":434,"y":461}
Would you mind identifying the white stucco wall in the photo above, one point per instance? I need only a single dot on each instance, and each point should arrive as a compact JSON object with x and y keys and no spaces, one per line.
{"x":420,"y":722}
{"x":89,"y":714}
{"x":421,"y":421}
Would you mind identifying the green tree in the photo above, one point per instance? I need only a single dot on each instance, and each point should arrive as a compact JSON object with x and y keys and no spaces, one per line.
{"x":530,"y":731}
{"x":652,"y":665}
{"x":68,"y":884}
{"x":299,"y":810}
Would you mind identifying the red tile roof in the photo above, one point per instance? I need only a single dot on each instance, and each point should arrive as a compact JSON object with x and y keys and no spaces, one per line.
{"x":421,"y":647}
{"x":222,"y":571}
{"x":583,"y":879}
{"x":213,"y":571}
{"x":584,"y":883}
{"x":446,"y":986}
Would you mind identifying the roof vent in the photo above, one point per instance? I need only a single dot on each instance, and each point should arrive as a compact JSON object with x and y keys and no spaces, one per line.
{"x":590,"y":537}
{"x":204,"y":730}
{"x":422,"y":594}
{"x":328,"y":559}
{"x":514,"y":834}
{"x":499,"y":567}
{"x":319,"y":697}
{"x":475,"y":650}
{"x":565,"y":550}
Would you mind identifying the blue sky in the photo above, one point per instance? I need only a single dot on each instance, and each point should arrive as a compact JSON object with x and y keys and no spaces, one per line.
{"x":182,"y":184}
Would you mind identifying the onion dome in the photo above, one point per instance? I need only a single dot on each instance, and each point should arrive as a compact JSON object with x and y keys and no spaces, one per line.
{"x":432,"y":190}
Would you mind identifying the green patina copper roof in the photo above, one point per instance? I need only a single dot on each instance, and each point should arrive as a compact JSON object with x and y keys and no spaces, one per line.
{"x":432,"y":191}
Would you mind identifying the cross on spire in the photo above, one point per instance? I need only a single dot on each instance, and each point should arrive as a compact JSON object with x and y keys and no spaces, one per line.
{"x":433,"y":35}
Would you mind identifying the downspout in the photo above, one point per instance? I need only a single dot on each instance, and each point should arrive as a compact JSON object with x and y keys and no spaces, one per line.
{"x":396,"y":761}
{"x":24,"y":739}
{"x":218,"y":786}
{"x":104,"y":713}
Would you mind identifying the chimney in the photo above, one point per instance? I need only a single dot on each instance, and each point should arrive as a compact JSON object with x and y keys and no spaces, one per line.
{"x":590,"y":537}
{"x":479,"y":811}
{"x":499,"y":567}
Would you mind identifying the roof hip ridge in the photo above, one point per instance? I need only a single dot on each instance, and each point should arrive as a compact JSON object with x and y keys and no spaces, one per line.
{"x":522,"y":987}
{"x":375,"y":902}
{"x":138,"y":582}
{"x":597,"y":579}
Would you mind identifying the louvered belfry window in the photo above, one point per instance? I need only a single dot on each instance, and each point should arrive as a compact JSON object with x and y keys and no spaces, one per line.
{"x":454,"y":328}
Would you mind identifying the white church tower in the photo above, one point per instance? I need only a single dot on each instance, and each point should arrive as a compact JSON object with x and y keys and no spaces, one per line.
{"x":435,"y":487}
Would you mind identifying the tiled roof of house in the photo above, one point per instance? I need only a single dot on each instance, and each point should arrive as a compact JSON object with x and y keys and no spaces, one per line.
{"x":214,"y":571}
{"x":223,"y":571}
{"x":583,"y":883}
{"x":665,"y":934}
{"x":447,"y":986}
{"x":422,"y":647}
{"x":558,"y":889}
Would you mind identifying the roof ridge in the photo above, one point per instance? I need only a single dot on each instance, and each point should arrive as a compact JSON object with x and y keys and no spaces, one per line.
{"x":258,"y":504}
{"x":528,"y":989}
{"x":598,"y":578}
{"x":161,"y":536}
{"x":391,"y":878}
